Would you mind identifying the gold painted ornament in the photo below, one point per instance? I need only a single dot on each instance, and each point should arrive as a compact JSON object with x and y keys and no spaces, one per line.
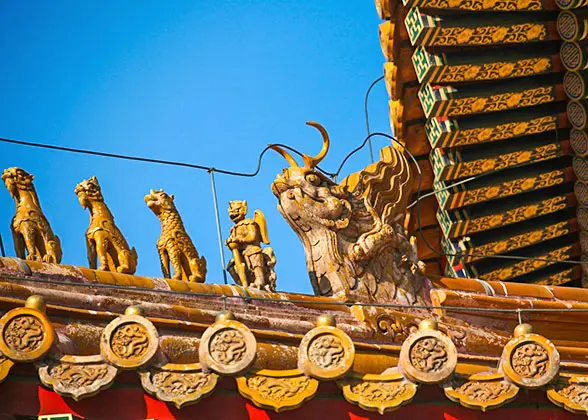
{"x":77,"y":377}
{"x":130,"y":341}
{"x":277,"y":390}
{"x":26,"y":334}
{"x":570,"y":393}
{"x":428,"y":356}
{"x":482,"y":391}
{"x":227,"y":347}
{"x":381,"y":393}
{"x":180,"y":384}
{"x":529,"y":360}
{"x":326,"y":352}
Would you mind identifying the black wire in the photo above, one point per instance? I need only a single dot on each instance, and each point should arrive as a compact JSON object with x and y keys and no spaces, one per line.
{"x":158,"y":161}
{"x":257,"y":170}
{"x":366,"y":112}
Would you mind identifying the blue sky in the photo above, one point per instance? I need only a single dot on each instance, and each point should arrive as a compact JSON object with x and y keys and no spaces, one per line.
{"x":204,"y":82}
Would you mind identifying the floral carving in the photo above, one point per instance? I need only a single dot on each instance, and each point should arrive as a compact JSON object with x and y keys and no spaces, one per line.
{"x":228,"y":347}
{"x":530,"y":360}
{"x":130,"y":341}
{"x":24,"y":333}
{"x":571,"y":393}
{"x":326,"y":351}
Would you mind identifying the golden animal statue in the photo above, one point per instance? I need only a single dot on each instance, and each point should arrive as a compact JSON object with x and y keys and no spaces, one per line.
{"x":104,"y":241}
{"x":30,"y":228}
{"x":353,"y":232}
{"x":174,"y":245}
{"x":252,"y":265}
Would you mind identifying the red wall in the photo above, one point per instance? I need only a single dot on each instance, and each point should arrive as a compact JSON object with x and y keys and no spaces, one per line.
{"x":27,"y":397}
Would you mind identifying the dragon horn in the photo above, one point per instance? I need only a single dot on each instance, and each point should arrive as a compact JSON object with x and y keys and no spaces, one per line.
{"x":285,"y":154}
{"x":311,"y":162}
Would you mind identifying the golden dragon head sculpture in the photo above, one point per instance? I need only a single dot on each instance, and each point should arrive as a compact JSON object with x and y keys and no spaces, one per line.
{"x":355,"y":243}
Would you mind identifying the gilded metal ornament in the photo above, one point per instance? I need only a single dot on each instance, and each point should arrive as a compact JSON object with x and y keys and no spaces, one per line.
{"x":26,"y":334}
{"x":326,"y":353}
{"x":105,"y":242}
{"x":31,"y":232}
{"x":482,"y":391}
{"x":180,"y":384}
{"x":428,"y":356}
{"x":174,"y":244}
{"x":77,"y":376}
{"x":251,"y":265}
{"x":530,"y":360}
{"x":227,"y":347}
{"x":129,"y":342}
{"x":277,"y":390}
{"x":571,"y":393}
{"x":381,"y":393}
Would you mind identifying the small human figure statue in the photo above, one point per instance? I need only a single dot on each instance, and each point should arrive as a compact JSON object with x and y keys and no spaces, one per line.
{"x":251,"y":265}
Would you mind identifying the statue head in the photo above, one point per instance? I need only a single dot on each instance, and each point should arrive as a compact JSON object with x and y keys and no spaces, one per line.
{"x":17,"y":179}
{"x":158,"y":201}
{"x":88,"y":190}
{"x":237,"y":210}
{"x":307,"y":193}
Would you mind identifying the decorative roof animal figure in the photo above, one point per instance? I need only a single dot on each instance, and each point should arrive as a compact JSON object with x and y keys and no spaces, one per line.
{"x":174,"y":245}
{"x":355,"y":243}
{"x":31,"y":231}
{"x":252,"y":265}
{"x":104,"y":240}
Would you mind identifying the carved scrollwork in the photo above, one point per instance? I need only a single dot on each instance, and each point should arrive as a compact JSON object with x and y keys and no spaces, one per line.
{"x":178,"y":384}
{"x":326,"y":353}
{"x":379,"y":393}
{"x":570,"y":393}
{"x":25,"y":334}
{"x":228,"y":348}
{"x":428,"y":356}
{"x":77,"y":376}
{"x":129,"y":342}
{"x":530,"y":361}
{"x":277,"y":390}
{"x":395,"y":329}
{"x":482,"y":391}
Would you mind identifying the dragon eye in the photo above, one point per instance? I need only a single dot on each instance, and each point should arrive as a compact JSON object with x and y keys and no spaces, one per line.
{"x":313,"y":179}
